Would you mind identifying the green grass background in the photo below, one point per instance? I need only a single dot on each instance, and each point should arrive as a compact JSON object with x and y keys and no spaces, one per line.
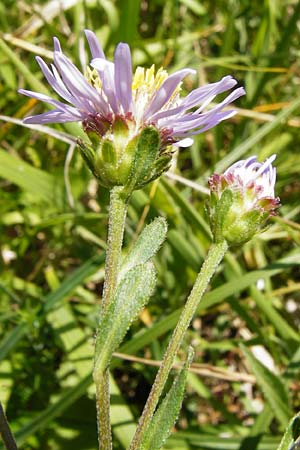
{"x":53,"y":221}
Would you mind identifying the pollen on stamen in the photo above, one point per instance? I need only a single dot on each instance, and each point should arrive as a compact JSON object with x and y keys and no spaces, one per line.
{"x":147,"y":81}
{"x":93,"y":78}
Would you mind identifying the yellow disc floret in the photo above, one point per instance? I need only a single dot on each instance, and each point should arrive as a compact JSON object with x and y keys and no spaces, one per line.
{"x":145,"y":85}
{"x":93,"y":78}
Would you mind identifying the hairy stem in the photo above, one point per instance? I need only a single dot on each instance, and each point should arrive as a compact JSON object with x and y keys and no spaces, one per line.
{"x":116,"y":224}
{"x":214,"y":257}
{"x":6,"y":433}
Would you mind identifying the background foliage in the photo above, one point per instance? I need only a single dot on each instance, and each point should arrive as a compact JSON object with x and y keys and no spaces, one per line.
{"x":244,"y":383}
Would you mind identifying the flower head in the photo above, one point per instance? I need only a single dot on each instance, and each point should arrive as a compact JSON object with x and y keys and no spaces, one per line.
{"x":110,"y":100}
{"x":242,"y":199}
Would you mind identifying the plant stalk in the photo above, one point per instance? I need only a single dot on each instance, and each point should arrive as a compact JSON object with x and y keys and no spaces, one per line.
{"x":213,"y":259}
{"x":116,"y":225}
{"x":6,"y":433}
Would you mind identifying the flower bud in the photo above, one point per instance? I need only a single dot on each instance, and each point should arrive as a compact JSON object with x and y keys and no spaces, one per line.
{"x":122,"y":160}
{"x":242,"y":199}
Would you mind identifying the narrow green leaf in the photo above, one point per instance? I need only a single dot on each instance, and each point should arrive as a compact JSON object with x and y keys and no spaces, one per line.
{"x":129,"y":21}
{"x":71,"y":282}
{"x":203,"y":441}
{"x":147,"y":244}
{"x":132,"y":294}
{"x":187,"y":209}
{"x":65,"y":289}
{"x":122,"y":418}
{"x":185,"y":248}
{"x":291,"y":435}
{"x":272,"y":387}
{"x":167,"y":413}
{"x":12,"y":339}
{"x":280,"y":324}
{"x":45,"y":417}
{"x":35,"y":181}
{"x":22,"y":68}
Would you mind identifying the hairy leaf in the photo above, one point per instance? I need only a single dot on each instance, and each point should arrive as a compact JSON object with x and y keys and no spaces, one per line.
{"x":147,"y":244}
{"x":291,"y":437}
{"x":132,"y":294}
{"x":167,"y":413}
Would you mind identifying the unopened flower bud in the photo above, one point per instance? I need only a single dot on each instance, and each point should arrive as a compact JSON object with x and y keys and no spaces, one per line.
{"x":242,"y":199}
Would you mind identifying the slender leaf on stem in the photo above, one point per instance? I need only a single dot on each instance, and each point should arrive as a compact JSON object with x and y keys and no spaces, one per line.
{"x":167,"y":413}
{"x":132,"y":294}
{"x":146,"y":246}
{"x":291,"y":436}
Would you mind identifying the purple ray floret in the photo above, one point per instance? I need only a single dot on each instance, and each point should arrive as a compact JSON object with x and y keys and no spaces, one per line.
{"x":110,"y":91}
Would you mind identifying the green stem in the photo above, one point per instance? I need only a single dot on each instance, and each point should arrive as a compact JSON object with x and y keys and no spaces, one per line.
{"x":116,"y":225}
{"x":214,"y":257}
{"x":6,"y":433}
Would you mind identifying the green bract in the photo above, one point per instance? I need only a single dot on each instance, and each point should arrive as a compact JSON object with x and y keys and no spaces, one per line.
{"x":117,"y":161}
{"x":231,"y":221}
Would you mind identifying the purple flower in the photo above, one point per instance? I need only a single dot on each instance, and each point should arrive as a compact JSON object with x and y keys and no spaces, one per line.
{"x":242,"y":199}
{"x":109,"y":92}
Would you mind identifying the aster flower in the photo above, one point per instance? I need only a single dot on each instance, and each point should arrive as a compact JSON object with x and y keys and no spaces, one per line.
{"x":109,"y":99}
{"x":242,"y":199}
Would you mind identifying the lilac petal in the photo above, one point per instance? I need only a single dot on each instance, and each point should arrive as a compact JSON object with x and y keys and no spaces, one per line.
{"x":203,"y":95}
{"x":243,"y":163}
{"x":206,"y":121}
{"x":95,"y":47}
{"x":202,"y":92}
{"x":187,"y":142}
{"x":57,"y":46}
{"x":229,"y":99}
{"x":54,"y":82}
{"x":219,"y":117}
{"x":265,"y":167}
{"x":54,"y":116}
{"x":59,"y":105}
{"x":77,"y":101}
{"x":183,"y":107}
{"x":78,"y":86}
{"x":194,"y":120}
{"x":106,"y":71}
{"x":165,"y":92}
{"x":188,"y":120}
{"x":248,"y":162}
{"x":123,"y":76}
{"x":203,"y":125}
{"x":169,"y":112}
{"x":197,"y":124}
